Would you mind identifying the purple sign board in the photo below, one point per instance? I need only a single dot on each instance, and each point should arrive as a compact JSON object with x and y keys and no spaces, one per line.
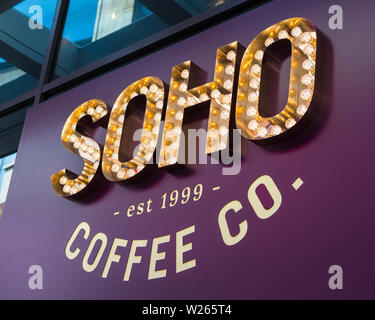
{"x":172,"y":241}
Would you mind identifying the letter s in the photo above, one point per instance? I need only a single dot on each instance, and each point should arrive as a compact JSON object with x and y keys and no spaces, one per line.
{"x":85,"y":147}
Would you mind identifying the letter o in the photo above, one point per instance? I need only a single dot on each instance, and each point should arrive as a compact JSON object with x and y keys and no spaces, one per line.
{"x":85,"y":263}
{"x":255,"y":202}
{"x":302,"y":36}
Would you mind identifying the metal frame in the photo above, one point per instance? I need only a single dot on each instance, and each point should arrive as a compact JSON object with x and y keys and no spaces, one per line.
{"x":177,"y":32}
{"x":52,"y":47}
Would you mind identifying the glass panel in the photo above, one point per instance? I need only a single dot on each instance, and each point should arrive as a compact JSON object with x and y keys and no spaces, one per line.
{"x":6,"y":170}
{"x":11,"y":126}
{"x":24,"y":33}
{"x":96,"y":28}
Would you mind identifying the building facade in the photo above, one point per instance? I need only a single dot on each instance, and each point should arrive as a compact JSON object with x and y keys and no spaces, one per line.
{"x":186,"y":149}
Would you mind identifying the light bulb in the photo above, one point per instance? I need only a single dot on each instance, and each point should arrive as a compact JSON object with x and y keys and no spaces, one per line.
{"x":290,"y":123}
{"x":224,"y":115}
{"x":256,"y":69}
{"x":159,"y":104}
{"x":269,"y":41}
{"x":66,"y":188}
{"x":121,"y":174}
{"x":283,"y":34}
{"x":229,"y":70}
{"x":99,"y":109}
{"x":228,"y":84}
{"x":253,"y":97}
{"x":133,"y":94}
{"x":254,"y":83}
{"x":153,"y":88}
{"x":73,"y":138}
{"x":130,"y":173}
{"x":121,"y":118}
{"x":191,"y":101}
{"x":307,"y":80}
{"x":309,"y":50}
{"x":115,"y":167}
{"x":296,"y":32}
{"x":179,"y":115}
{"x":306,"y":94}
{"x":306,"y":37}
{"x":307,"y":65}
{"x":223,"y":130}
{"x":259,"y":55}
{"x":183,"y":87}
{"x":253,"y":125}
{"x":231,"y":55}
{"x":84,"y":147}
{"x":144,"y":90}
{"x":226,"y":99}
{"x":204,"y":97}
{"x":262,"y":132}
{"x":275,"y":130}
{"x":301,"y":110}
{"x":185,"y":74}
{"x":177,"y":131}
{"x":215,"y":94}
{"x":181,"y":101}
{"x":251,"y":112}
{"x":63,"y":180}
{"x":157,"y":116}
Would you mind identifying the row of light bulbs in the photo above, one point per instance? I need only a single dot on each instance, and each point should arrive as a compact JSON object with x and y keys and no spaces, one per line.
{"x":305,"y":41}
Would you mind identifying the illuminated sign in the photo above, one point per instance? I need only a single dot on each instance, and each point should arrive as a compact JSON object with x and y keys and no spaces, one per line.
{"x":301,"y":34}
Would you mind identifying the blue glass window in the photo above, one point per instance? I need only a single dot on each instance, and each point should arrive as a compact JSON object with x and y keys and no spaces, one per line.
{"x":6,"y":170}
{"x":96,"y":28}
{"x":22,"y":44}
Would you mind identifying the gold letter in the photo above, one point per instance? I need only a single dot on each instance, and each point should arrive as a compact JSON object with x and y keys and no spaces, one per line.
{"x":81,"y":145}
{"x":113,"y":169}
{"x":302,"y":36}
{"x":180,"y":97}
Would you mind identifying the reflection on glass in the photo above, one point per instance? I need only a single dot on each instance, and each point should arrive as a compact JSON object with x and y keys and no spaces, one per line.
{"x":6,"y":170}
{"x":27,"y":8}
{"x":96,"y":28}
{"x":22,"y":47}
{"x":8,"y":73}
